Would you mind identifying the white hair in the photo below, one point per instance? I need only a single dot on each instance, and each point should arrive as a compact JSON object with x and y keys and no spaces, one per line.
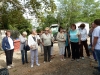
{"x":25,"y":33}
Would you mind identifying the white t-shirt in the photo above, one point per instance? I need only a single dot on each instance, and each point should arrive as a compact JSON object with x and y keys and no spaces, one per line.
{"x":96,"y":33}
{"x":31,"y":41}
{"x":11,"y":43}
{"x":83,"y":33}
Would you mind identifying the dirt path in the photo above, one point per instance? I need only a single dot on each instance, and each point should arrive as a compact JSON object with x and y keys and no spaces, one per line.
{"x":56,"y":67}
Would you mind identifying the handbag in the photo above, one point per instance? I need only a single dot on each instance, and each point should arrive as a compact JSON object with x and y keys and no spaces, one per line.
{"x":26,"y":47}
{"x":34,"y":47}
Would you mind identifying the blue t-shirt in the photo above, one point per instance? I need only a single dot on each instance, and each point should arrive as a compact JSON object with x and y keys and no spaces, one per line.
{"x":66,"y":44}
{"x":74,"y":35}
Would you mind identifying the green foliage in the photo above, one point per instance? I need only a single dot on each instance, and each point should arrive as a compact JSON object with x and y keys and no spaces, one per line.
{"x":72,"y":11}
{"x":47,"y":22}
{"x":12,"y":17}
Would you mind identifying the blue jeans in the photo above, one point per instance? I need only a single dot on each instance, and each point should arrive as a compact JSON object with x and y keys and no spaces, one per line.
{"x":97,"y":52}
{"x":24,"y":56}
{"x":94,"y":55}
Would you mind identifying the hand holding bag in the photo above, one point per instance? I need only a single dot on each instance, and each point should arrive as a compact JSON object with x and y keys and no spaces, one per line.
{"x":34,"y":47}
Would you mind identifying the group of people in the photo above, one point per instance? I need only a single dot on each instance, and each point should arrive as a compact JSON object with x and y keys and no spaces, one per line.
{"x":76,"y":38}
{"x":71,"y":40}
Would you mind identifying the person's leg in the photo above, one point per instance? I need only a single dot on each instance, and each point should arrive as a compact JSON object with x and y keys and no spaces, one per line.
{"x":98,"y":58}
{"x":45,"y":53}
{"x":49,"y":51}
{"x":36,"y":56}
{"x":77,"y":51}
{"x":22,"y":56}
{"x":94,"y":56}
{"x":11,"y":55}
{"x":81,"y":49}
{"x":41,"y":47}
{"x":68,"y":51}
{"x":73,"y":50}
{"x":26,"y":56}
{"x":65,"y":52}
{"x":32,"y":56}
{"x":86,"y":47}
{"x":7,"y":53}
{"x":52,"y":52}
{"x":60,"y":52}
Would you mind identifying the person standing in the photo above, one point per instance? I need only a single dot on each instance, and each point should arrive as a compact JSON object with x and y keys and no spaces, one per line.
{"x":67,"y":45}
{"x":96,"y":43}
{"x":90,"y":35}
{"x":8,"y":47}
{"x":33,"y":44}
{"x":83,"y":33}
{"x":46,"y":42}
{"x":41,"y":46}
{"x":52,"y":41}
{"x":61,"y":43}
{"x":23,"y":42}
{"x":74,"y":38}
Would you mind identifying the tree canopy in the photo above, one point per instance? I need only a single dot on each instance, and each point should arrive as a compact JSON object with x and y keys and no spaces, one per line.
{"x":47,"y":12}
{"x":11,"y":12}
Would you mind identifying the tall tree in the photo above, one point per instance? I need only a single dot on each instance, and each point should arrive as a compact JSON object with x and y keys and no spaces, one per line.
{"x":78,"y":10}
{"x":14,"y":10}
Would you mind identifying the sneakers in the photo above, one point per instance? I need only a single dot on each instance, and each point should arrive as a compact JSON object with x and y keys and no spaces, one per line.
{"x":44,"y":62}
{"x":77,"y":60}
{"x":50,"y":61}
{"x":8,"y":67}
{"x":72,"y":59}
{"x":31,"y":66}
{"x":82,"y":58}
{"x":61,"y":59}
{"x":12,"y":65}
{"x":38,"y":64}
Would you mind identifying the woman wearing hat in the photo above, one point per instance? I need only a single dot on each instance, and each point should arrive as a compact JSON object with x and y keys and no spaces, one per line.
{"x":23,"y":42}
{"x":46,"y":41}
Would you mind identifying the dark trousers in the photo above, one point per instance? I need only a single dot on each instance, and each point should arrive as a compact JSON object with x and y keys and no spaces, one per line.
{"x":68,"y":51}
{"x":24,"y":56}
{"x":9,"y":56}
{"x":84,"y":43}
{"x":47,"y":51}
{"x":75,"y":50}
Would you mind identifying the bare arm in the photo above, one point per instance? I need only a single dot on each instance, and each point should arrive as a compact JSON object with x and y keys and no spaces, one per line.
{"x":95,"y":41}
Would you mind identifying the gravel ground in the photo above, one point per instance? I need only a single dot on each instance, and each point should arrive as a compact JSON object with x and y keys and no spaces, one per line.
{"x":56,"y":67}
